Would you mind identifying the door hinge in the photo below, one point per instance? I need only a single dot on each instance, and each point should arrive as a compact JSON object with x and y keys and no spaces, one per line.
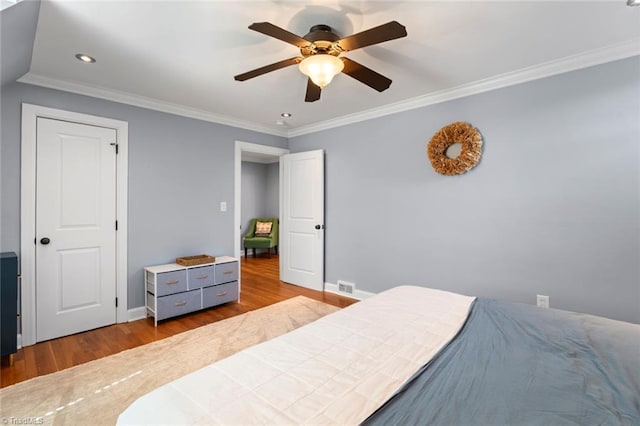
{"x":116,"y":225}
{"x":116,"y":145}
{"x":116,"y":302}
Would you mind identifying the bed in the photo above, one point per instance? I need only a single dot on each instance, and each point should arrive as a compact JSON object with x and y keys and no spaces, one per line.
{"x":414,"y":355}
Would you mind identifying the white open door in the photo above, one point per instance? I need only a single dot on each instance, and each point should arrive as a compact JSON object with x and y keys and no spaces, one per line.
{"x":302,"y":219}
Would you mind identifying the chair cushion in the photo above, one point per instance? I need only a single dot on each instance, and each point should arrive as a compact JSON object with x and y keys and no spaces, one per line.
{"x":263,"y":229}
{"x":259,"y":242}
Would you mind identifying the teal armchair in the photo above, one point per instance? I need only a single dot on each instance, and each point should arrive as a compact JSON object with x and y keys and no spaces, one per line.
{"x":254,"y":239}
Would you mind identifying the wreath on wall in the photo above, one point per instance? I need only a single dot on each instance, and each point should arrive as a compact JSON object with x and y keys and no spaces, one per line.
{"x":459,"y":132}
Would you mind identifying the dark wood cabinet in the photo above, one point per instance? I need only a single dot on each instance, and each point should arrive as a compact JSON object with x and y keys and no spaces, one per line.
{"x":8,"y":303}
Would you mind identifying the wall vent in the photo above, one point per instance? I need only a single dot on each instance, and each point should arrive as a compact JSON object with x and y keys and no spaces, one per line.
{"x":346,"y":287}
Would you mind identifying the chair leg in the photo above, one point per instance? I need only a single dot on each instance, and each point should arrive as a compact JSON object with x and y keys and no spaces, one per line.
{"x":276,"y":249}
{"x":245,"y":253}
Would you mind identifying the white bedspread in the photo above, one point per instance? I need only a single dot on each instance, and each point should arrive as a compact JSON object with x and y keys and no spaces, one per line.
{"x":336,"y":370}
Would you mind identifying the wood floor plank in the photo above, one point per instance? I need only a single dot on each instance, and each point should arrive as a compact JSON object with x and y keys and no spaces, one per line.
{"x":261,"y":287}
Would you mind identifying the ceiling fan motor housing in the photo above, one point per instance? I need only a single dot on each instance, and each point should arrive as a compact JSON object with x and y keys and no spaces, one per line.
{"x":322,"y":40}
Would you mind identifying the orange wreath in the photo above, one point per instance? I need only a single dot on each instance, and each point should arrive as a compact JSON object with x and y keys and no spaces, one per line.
{"x":459,"y":132}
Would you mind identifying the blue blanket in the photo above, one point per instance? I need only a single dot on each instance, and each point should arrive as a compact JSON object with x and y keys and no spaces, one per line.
{"x":515,"y":364}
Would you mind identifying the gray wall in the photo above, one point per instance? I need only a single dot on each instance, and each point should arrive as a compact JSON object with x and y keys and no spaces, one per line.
{"x":273,"y":190}
{"x":254,"y":197}
{"x":260,"y":192}
{"x":17,"y":33}
{"x":180,"y":170}
{"x":552,"y":208}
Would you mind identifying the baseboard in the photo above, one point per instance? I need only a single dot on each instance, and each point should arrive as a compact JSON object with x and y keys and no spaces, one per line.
{"x":137,"y":313}
{"x":357,"y":294}
{"x":133,"y":314}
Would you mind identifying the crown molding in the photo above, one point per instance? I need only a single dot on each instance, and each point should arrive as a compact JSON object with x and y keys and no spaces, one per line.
{"x":570,"y":63}
{"x":144,"y":102}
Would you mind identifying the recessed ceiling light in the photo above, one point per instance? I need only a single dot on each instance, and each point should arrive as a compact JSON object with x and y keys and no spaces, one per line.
{"x":285,"y":114}
{"x":633,"y":2}
{"x":85,"y":58}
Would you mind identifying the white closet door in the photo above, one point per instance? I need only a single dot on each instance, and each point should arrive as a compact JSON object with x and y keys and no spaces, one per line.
{"x":75,"y":228}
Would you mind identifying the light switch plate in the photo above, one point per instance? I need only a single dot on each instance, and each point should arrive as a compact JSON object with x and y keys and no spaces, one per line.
{"x":223,"y":206}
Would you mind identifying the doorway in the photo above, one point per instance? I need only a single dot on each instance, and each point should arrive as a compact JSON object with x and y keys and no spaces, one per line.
{"x":301,"y":228}
{"x":93,"y":140}
{"x":262,"y":159}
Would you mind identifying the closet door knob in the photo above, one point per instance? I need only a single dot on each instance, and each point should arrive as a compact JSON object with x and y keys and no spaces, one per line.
{"x":45,"y":241}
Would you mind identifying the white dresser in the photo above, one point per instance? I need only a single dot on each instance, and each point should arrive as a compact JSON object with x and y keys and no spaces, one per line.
{"x":174,"y":289}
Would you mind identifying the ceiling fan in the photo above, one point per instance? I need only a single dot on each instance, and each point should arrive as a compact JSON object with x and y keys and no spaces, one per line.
{"x":320,"y":50}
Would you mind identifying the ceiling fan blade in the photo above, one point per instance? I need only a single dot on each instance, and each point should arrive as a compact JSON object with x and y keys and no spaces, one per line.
{"x":389,"y":31}
{"x":279,"y":33}
{"x":313,"y":92}
{"x":268,"y":68}
{"x":365,"y":75}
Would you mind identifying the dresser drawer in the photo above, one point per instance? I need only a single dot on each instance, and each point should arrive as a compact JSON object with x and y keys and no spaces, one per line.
{"x":178,"y":304}
{"x":218,"y":294}
{"x":171,"y":282}
{"x":226,"y":272}
{"x":200,"y":277}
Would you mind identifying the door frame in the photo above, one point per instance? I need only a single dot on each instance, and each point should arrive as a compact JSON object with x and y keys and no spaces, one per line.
{"x":30,"y":114}
{"x":254,"y":148}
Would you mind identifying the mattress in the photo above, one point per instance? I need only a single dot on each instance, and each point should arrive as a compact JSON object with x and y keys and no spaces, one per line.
{"x":337,"y":370}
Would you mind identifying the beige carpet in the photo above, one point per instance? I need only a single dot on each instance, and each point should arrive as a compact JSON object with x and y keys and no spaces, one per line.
{"x":96,"y":392}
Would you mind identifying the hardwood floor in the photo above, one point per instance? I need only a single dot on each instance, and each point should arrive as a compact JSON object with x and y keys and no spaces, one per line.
{"x":260,"y":287}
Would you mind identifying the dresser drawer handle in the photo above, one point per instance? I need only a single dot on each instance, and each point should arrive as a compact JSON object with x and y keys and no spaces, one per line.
{"x":224,"y":293}
{"x":228,"y":272}
{"x":172,"y":282}
{"x":181,"y":303}
{"x":202,"y":277}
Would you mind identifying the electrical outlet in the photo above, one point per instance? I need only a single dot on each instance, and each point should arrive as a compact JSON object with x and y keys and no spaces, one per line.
{"x":223,"y":206}
{"x":543,"y":301}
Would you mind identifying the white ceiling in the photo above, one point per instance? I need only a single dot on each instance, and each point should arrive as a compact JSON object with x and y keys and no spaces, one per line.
{"x":181,"y":56}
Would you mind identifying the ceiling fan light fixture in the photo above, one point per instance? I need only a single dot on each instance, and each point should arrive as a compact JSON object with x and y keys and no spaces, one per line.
{"x":321,"y":68}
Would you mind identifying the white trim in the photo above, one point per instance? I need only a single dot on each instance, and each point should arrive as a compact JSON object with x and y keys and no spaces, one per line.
{"x":144,"y":102}
{"x":137,"y":313}
{"x":357,"y":294}
{"x":241,"y":147}
{"x":28,"y":209}
{"x":570,"y":63}
{"x":19,"y":341}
